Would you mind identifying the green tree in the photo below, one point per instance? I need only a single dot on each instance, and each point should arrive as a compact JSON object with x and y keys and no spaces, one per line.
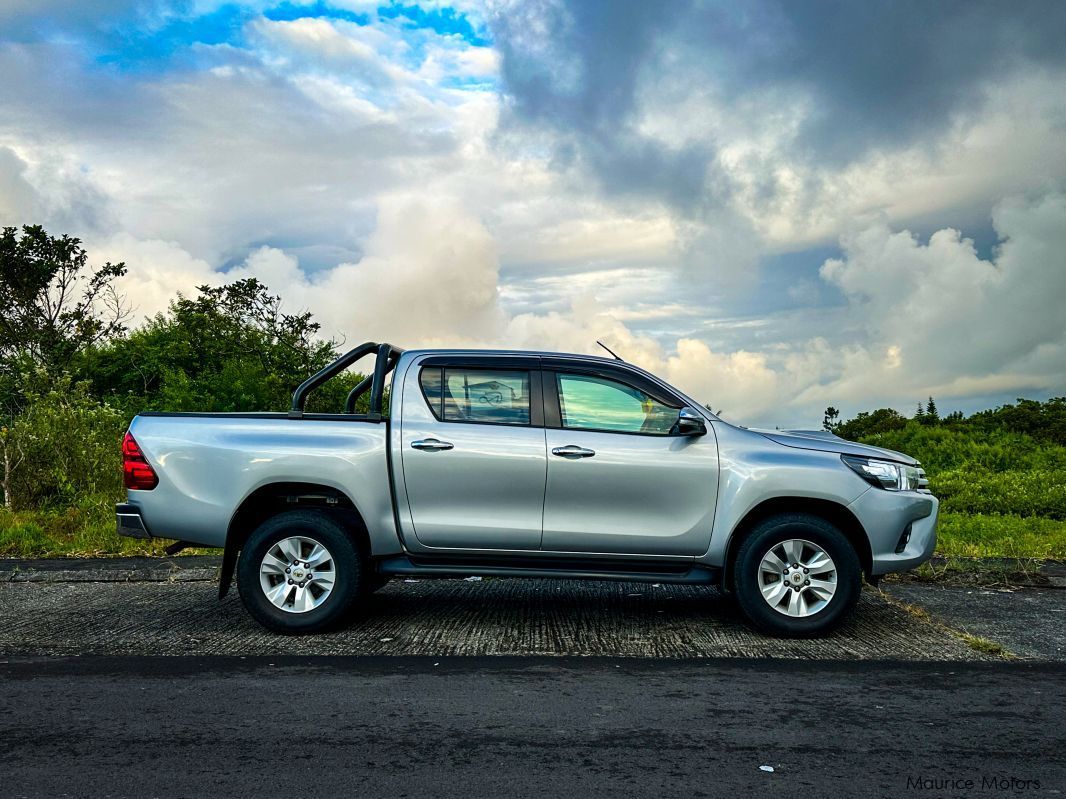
{"x":1045,"y":421}
{"x":831,"y":419}
{"x":53,"y":305}
{"x":932,"y":416}
{"x":872,"y":423}
{"x":231,"y":348}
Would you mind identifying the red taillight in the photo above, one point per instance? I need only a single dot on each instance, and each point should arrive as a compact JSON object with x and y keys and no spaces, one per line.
{"x":136,"y":471}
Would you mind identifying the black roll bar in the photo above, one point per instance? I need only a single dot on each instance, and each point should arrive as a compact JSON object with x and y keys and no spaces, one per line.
{"x":386,"y":359}
{"x":377,"y":389}
{"x":360,"y":389}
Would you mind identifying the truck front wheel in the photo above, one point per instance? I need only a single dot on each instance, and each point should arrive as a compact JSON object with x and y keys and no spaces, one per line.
{"x":299,"y":572}
{"x":796,"y":576}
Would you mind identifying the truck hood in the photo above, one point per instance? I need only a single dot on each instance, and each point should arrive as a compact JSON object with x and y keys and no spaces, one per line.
{"x":827,"y":442}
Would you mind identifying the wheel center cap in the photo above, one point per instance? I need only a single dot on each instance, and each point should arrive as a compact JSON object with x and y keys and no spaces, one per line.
{"x":796,"y":578}
{"x":298,"y":573}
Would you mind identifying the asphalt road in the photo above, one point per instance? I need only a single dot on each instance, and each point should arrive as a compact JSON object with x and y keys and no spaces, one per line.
{"x":525,"y":727}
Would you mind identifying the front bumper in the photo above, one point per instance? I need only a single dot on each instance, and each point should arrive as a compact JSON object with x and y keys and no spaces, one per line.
{"x":887,"y":516}
{"x":129,"y":523}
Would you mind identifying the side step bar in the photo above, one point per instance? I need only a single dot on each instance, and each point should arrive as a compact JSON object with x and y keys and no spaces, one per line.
{"x":643,"y":572}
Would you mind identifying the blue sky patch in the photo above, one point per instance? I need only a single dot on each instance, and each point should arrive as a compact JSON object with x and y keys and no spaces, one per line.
{"x":287,"y":12}
{"x":132,"y":47}
{"x":445,"y":21}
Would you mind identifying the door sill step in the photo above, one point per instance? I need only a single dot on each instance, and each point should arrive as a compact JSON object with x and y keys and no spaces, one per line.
{"x":568,"y":569}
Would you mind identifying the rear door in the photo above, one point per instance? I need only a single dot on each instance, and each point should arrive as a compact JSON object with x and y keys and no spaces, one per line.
{"x":473,"y":453}
{"x":619,"y":479}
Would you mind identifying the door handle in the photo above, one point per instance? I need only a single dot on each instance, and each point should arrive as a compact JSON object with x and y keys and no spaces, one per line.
{"x":572,"y":451}
{"x":431,"y":444}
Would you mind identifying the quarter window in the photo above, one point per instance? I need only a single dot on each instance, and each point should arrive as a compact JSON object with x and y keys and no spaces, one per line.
{"x":477,"y":395}
{"x":596,"y":403}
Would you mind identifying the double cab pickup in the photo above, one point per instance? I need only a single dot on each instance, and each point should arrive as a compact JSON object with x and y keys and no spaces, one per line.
{"x":522,"y":464}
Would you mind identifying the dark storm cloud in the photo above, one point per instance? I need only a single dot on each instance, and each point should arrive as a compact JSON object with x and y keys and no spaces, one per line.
{"x":879,"y":74}
{"x":574,"y":68}
{"x":892,"y":72}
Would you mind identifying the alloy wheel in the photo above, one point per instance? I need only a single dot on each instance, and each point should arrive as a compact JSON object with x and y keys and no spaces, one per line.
{"x":297,"y":574}
{"x":797,"y":578}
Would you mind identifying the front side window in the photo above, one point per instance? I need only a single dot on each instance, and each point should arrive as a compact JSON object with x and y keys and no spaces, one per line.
{"x":477,"y":395}
{"x":596,"y":403}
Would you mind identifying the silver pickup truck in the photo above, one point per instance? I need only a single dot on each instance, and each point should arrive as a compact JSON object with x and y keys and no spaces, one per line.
{"x":522,"y":464}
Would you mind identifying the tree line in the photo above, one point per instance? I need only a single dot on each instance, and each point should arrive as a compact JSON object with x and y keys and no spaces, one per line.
{"x":73,"y":373}
{"x":1043,"y":421}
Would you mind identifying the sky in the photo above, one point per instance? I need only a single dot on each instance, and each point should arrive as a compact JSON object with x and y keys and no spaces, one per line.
{"x":776,"y":206}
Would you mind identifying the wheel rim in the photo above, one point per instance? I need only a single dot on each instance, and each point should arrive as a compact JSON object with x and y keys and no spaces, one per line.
{"x":797,"y":578}
{"x":297,"y":574}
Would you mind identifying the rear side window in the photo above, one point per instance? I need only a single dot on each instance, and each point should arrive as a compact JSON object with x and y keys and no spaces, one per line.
{"x":477,"y":395}
{"x":596,"y":403}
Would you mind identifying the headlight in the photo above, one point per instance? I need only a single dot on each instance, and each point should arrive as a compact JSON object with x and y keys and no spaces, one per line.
{"x":886,"y":474}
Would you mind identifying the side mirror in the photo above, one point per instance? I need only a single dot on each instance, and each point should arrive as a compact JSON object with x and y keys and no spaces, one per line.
{"x":690,"y":422}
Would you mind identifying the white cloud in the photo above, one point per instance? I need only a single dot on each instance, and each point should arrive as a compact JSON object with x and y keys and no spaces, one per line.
{"x":359,"y":171}
{"x":932,"y":318}
{"x":157,"y":271}
{"x":950,"y":313}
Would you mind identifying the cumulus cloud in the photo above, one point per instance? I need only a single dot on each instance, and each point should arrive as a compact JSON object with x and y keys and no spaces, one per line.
{"x":948,"y":314}
{"x":928,"y":317}
{"x":579,"y":171}
{"x":782,"y":124}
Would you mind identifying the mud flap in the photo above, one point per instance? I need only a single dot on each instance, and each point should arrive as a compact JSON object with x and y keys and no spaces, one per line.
{"x":229,"y":564}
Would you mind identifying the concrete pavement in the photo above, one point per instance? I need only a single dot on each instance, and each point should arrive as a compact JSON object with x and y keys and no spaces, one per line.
{"x":449,"y":617}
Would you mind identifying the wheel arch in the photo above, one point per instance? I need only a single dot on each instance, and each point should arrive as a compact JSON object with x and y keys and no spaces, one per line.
{"x":274,"y":498}
{"x":833,"y":512}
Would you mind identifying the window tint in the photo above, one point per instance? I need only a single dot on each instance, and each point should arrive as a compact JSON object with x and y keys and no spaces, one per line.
{"x":595,"y":403}
{"x":477,"y":395}
{"x":431,"y":388}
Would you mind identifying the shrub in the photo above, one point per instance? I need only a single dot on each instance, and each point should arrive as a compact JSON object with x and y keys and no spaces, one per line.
{"x":63,"y":447}
{"x":978,"y":471}
{"x":1000,"y":536}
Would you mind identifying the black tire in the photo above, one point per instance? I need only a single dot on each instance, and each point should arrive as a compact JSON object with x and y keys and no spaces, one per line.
{"x":347,"y":571}
{"x":775,"y":530}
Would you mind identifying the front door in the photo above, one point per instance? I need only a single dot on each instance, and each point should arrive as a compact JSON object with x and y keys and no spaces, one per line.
{"x":619,"y":479}
{"x":473,"y":456}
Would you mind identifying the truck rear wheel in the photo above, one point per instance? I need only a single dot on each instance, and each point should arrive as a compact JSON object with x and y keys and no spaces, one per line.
{"x":299,"y":572}
{"x":796,"y":576}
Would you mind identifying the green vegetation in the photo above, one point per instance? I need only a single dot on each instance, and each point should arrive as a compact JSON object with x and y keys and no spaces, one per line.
{"x":985,"y":471}
{"x":83,"y":530}
{"x":979,"y":535}
{"x":1000,"y":474}
{"x":986,"y":647}
{"x":72,"y":376}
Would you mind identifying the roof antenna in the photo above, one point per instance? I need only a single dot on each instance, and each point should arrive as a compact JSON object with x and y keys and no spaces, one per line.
{"x":613,"y":355}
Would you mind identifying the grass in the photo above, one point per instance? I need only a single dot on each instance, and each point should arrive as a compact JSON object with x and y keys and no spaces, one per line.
{"x":980,"y":535}
{"x":985,"y":646}
{"x":86,"y":530}
{"x":977,"y":571}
